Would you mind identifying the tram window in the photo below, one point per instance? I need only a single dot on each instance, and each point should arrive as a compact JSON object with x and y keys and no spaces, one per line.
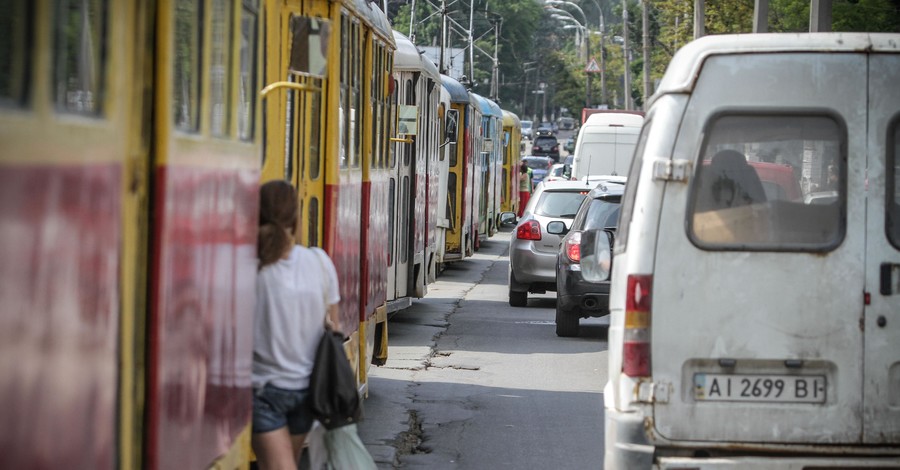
{"x":392,"y":193}
{"x":220,"y":71}
{"x":314,"y":221}
{"x":79,"y":55}
{"x":309,"y":46}
{"x":314,"y":101}
{"x":410,"y":100}
{"x":355,"y":108}
{"x":345,"y":113}
{"x":247,"y":84}
{"x":186,"y":63}
{"x":451,"y":197}
{"x":15,"y":52}
{"x":404,"y":221}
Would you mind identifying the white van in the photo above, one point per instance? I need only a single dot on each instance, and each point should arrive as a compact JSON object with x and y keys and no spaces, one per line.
{"x":605,"y":143}
{"x":753,"y":323}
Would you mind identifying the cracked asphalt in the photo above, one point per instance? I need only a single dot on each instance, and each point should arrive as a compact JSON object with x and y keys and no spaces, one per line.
{"x":471,"y":382}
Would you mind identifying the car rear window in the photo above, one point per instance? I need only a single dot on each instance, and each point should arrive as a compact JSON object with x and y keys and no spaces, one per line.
{"x":537,"y":163}
{"x":562,"y":204}
{"x":601,"y":214}
{"x":545,"y":141}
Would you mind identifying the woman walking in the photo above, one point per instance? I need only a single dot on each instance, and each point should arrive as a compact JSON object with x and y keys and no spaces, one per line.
{"x":297,"y":297}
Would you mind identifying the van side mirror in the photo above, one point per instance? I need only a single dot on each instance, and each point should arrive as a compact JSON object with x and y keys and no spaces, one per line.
{"x":596,"y":254}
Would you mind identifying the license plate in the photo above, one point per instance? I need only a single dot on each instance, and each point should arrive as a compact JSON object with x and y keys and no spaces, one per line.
{"x":760,"y":388}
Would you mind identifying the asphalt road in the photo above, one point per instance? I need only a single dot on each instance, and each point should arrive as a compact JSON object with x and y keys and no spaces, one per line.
{"x":472,"y":383}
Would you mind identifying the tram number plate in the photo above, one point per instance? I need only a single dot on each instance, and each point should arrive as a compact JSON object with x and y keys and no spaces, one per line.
{"x":760,"y":388}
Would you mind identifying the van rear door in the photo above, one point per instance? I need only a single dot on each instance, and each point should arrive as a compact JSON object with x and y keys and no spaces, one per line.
{"x":756,"y":333}
{"x":881,"y":381}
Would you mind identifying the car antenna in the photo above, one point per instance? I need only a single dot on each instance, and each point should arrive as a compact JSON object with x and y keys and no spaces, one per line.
{"x":587,"y":178}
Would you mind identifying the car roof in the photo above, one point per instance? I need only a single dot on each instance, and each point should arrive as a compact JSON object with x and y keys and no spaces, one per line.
{"x":565,"y":185}
{"x":607,"y":189}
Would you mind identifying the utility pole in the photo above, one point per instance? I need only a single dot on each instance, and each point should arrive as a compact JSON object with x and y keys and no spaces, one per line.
{"x":699,"y":18}
{"x":442,"y":68}
{"x":471,"y":43}
{"x":412,"y":22}
{"x":602,"y":59}
{"x":497,"y":22}
{"x":626,"y":52}
{"x":646,"y":25}
{"x":587,"y":82}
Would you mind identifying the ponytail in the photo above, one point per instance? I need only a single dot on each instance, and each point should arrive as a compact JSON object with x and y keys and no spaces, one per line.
{"x":277,"y":219}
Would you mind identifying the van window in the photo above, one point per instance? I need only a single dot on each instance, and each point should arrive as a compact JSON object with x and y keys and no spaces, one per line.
{"x":893,"y":189}
{"x":631,"y":189}
{"x":769,"y":183}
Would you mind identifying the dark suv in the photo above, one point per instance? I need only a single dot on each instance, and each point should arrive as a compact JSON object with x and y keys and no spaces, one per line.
{"x":577,"y":298}
{"x":546,"y":145}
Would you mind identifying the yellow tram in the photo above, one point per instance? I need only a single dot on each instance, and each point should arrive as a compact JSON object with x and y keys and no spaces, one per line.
{"x":328,"y":122}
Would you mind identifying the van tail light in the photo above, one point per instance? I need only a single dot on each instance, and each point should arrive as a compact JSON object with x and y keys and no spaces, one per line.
{"x":636,"y":347}
{"x":573,"y":247}
{"x":530,"y":230}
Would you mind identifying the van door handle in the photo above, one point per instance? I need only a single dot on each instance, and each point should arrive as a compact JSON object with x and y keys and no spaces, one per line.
{"x":887,"y":278}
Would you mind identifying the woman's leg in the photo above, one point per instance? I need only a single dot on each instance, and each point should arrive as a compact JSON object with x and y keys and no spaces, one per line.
{"x":297,"y":442}
{"x":274,"y":450}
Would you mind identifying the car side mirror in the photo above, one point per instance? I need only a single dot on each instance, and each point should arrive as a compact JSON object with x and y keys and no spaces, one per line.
{"x":557,"y":228}
{"x":596,"y":254}
{"x":507,"y":218}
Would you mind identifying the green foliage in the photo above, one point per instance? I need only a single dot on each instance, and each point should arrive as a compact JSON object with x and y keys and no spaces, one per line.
{"x":529,"y":36}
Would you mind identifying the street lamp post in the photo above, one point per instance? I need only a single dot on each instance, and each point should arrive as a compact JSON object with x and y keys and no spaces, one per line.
{"x":602,"y":54}
{"x":587,"y":36}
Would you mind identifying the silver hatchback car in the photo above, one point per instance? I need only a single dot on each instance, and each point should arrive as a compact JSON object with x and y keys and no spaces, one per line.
{"x":532,"y":251}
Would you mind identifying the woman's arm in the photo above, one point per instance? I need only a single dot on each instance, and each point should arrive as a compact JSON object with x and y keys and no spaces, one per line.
{"x":332,"y":320}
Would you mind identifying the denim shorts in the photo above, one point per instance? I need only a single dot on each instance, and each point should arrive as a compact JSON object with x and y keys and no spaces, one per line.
{"x":275,"y":407}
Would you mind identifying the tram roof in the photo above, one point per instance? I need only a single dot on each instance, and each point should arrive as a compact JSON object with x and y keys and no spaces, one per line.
{"x":486,"y":106}
{"x":685,"y":66}
{"x":375,"y":16}
{"x":510,"y":119}
{"x":408,"y":58}
{"x":458,"y":93}
{"x":371,"y":14}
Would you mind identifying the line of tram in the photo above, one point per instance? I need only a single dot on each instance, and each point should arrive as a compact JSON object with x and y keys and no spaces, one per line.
{"x":133,"y":139}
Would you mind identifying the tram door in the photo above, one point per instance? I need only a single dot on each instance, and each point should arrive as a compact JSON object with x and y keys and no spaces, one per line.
{"x":402,"y":184}
{"x":300,"y":114}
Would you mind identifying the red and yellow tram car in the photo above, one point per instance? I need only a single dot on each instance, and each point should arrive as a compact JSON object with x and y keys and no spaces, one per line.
{"x":512,"y":156}
{"x":328,"y":121}
{"x":129,"y":156}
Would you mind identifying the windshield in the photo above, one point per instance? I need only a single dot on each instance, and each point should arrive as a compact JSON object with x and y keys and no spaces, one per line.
{"x":561,"y":204}
{"x":537,"y":164}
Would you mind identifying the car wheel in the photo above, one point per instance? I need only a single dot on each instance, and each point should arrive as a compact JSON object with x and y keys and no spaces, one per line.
{"x":566,"y":323}
{"x":518,"y":299}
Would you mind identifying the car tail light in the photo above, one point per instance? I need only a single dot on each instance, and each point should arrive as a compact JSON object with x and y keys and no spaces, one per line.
{"x":535,"y":148}
{"x":555,"y":148}
{"x":573,"y":247}
{"x":636,"y":348}
{"x":530,"y":230}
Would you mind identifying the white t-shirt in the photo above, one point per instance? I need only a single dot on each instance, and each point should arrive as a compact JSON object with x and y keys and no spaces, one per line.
{"x":290,"y":317}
